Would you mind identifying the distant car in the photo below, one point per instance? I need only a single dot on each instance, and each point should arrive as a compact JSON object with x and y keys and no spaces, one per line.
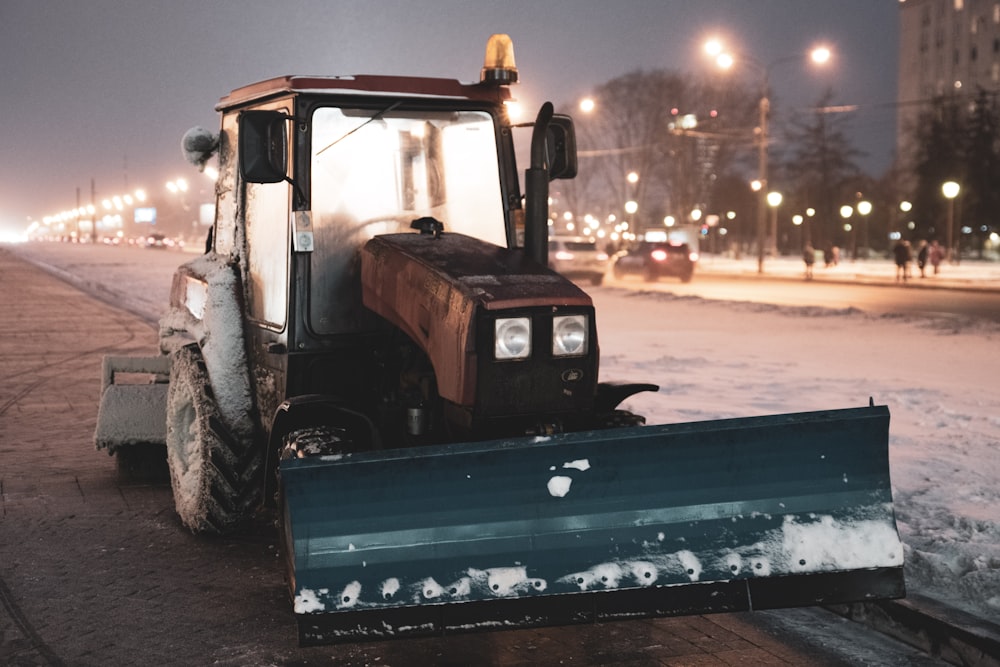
{"x":156,"y":241}
{"x":578,"y":258}
{"x":652,"y":261}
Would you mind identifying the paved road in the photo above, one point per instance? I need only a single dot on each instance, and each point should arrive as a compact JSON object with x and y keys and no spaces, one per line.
{"x":97,"y":572}
{"x":970,"y":290}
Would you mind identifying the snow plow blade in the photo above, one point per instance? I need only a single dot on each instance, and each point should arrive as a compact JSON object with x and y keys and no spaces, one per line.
{"x":718,"y":516}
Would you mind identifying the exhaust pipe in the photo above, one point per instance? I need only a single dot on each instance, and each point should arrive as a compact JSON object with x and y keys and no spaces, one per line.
{"x":536,"y":191}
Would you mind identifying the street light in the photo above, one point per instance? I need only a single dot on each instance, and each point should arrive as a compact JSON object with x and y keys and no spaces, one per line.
{"x":797,"y":220}
{"x":904,"y":208}
{"x":726,"y":60}
{"x":774,"y":201}
{"x":864,"y":208}
{"x":950,"y":190}
{"x":632,"y":193}
{"x":846,"y":212}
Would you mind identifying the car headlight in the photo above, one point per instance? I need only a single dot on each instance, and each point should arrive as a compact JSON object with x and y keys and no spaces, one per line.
{"x":569,"y":335}
{"x":513,"y":338}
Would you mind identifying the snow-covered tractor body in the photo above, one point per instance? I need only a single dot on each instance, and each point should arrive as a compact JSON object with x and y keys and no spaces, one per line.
{"x":374,"y":342}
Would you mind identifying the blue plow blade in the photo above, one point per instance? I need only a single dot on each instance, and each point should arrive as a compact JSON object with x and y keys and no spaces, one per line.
{"x":716,"y":516}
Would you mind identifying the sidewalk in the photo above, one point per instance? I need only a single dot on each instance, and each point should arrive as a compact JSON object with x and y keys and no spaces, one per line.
{"x":970,"y":274}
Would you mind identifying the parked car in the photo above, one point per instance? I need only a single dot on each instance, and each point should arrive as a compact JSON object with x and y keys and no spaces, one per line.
{"x":652,"y":261}
{"x":578,"y":258}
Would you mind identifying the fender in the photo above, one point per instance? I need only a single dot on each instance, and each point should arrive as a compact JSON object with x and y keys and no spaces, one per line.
{"x":205,"y":307}
{"x":311,"y":410}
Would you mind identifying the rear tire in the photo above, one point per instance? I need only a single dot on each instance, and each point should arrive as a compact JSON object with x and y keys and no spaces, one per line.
{"x":214,"y":475}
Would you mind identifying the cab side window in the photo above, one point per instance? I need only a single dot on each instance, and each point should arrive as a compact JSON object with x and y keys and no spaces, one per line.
{"x":267,"y":251}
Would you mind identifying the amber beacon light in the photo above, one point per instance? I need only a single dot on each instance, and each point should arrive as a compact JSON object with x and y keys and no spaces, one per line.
{"x":498,"y":65}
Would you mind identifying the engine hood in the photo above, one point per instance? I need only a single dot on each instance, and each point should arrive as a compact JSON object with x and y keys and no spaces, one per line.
{"x":432,"y":287}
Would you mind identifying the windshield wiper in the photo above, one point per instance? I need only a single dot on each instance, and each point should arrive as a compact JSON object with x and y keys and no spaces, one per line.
{"x":377,"y":116}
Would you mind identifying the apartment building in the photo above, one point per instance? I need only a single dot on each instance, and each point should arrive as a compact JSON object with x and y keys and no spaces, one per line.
{"x":945,"y":47}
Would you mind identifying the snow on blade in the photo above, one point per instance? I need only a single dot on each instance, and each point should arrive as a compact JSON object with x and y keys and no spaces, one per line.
{"x":349,"y":596}
{"x":559,"y":486}
{"x":307,"y":601}
{"x":832,"y":545}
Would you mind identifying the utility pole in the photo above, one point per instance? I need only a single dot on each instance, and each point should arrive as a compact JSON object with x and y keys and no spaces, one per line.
{"x":93,"y":207}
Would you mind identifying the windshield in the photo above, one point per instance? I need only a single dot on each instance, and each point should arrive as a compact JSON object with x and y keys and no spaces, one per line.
{"x":374,"y":172}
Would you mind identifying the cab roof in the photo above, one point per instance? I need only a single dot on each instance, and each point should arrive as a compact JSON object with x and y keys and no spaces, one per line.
{"x":365,"y":84}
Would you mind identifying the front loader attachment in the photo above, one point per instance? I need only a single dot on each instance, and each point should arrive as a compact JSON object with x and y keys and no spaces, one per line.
{"x":717,"y":516}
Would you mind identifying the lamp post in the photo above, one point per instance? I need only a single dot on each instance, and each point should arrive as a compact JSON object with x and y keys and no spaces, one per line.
{"x":807,"y":229}
{"x":774,"y":201}
{"x":950,"y":190}
{"x":797,"y":220}
{"x":180,"y":187}
{"x":757,"y":186}
{"x":864,"y":208}
{"x":725,"y":60}
{"x":846,"y":212}
{"x":904,"y":208}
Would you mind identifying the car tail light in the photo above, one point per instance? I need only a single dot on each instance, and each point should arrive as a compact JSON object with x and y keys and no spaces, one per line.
{"x":693,"y":257}
{"x":659,"y":255}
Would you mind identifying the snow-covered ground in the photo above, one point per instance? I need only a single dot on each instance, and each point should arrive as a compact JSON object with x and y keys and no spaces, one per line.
{"x":717,"y":359}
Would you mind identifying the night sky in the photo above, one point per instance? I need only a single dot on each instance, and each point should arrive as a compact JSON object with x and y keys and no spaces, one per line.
{"x":104,"y":89}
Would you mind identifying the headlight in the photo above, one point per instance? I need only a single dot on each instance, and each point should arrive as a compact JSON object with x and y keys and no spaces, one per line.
{"x":513,"y":338}
{"x":569,"y":335}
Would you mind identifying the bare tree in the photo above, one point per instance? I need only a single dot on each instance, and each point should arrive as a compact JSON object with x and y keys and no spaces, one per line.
{"x":676,"y":133}
{"x":821,"y":170}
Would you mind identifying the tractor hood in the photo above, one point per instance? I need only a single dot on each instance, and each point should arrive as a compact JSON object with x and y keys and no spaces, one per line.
{"x":435,"y":287}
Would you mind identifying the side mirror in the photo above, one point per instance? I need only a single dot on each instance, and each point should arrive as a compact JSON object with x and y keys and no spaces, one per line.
{"x":560,"y":146}
{"x":263,"y":146}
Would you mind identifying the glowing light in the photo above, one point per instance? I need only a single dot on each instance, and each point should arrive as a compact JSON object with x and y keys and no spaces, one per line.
{"x":821,"y":55}
{"x":515,"y":110}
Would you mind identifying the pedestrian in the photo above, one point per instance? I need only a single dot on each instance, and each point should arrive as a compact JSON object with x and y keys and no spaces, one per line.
{"x":809,"y":257}
{"x":901,"y":253}
{"x":828,"y":256}
{"x":922,"y":253}
{"x":936,"y":255}
{"x":835,"y":252}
